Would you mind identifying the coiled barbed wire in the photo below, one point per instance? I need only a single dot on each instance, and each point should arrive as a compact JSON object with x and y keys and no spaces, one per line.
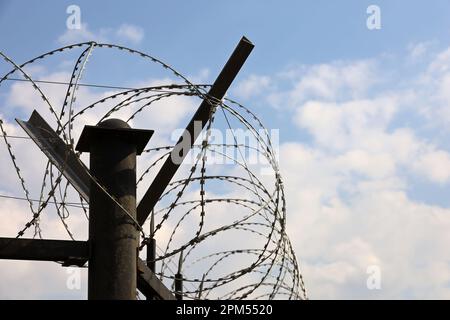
{"x":223,"y":227}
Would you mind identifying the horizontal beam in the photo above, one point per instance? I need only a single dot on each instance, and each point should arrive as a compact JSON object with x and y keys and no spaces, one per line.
{"x":149,"y":284}
{"x":217,"y":91}
{"x":76,"y":253}
{"x":68,"y":251}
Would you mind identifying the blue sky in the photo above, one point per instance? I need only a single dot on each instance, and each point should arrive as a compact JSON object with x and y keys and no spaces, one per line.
{"x":292,"y":32}
{"x":363,"y":116}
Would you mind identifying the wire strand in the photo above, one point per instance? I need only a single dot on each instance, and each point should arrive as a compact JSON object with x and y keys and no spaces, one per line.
{"x":69,"y":204}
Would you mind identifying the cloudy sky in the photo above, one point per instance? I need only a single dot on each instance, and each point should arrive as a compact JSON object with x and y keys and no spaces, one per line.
{"x":363,"y":117}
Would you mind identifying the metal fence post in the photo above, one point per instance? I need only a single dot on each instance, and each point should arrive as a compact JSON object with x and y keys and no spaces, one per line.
{"x":113,"y":235}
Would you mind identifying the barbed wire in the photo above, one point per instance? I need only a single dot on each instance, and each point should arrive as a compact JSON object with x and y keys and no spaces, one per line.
{"x":226,"y":228}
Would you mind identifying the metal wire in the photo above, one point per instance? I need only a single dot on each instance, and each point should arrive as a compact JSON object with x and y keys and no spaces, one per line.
{"x":225,"y":230}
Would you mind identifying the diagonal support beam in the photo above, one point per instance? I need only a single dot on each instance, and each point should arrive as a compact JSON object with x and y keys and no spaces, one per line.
{"x":217,"y":91}
{"x":57,"y":152}
{"x":71,"y":252}
{"x":150,"y":285}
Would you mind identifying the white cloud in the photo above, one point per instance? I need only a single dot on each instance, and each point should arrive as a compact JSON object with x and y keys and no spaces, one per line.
{"x":435,"y":165}
{"x":83,"y":34}
{"x":125,"y":32}
{"x":373,"y":165}
{"x":443,"y":90}
{"x":347,"y":190}
{"x":253,"y":85}
{"x":419,"y":50}
{"x":129,"y":32}
{"x":327,"y":81}
{"x":331,"y":82}
{"x":338,"y":125}
{"x":45,"y":280}
{"x":433,"y":87}
{"x":441,"y":63}
{"x":24,"y":96}
{"x":338,"y":237}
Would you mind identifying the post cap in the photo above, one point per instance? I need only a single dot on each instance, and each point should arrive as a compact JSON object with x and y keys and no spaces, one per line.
{"x":114,"y":128}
